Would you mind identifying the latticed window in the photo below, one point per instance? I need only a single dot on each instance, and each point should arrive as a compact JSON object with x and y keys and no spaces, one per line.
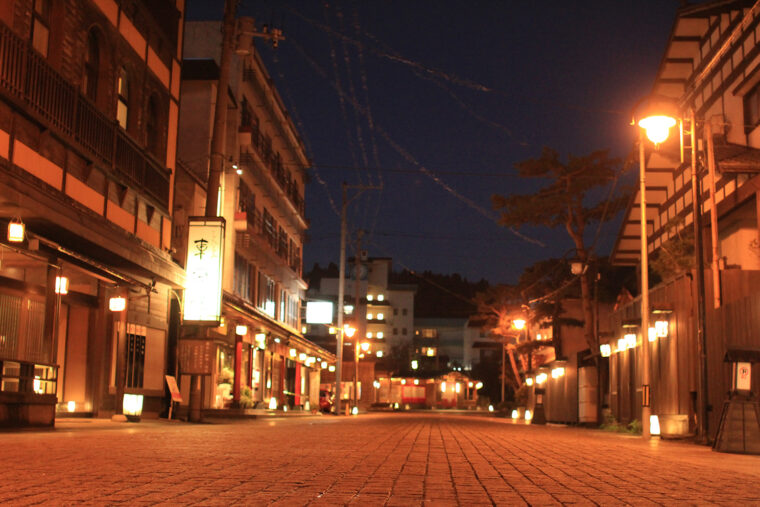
{"x":752,"y":109}
{"x":41,"y":26}
{"x":91,"y":67}
{"x":122,"y":100}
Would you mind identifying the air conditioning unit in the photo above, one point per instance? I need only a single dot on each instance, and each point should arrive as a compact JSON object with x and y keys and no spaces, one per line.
{"x":364,"y":256}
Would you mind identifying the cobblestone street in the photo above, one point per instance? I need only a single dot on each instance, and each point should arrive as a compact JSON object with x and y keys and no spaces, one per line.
{"x":382,"y":459}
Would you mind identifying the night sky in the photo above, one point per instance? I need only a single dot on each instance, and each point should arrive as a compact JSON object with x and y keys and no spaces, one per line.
{"x":436,"y":101}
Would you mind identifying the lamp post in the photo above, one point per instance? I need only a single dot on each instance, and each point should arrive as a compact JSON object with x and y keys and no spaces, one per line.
{"x":349,"y":331}
{"x":656,"y":127}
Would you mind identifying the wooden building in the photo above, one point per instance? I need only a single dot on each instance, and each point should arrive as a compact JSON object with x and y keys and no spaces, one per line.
{"x":89,"y":93}
{"x":711,"y":74}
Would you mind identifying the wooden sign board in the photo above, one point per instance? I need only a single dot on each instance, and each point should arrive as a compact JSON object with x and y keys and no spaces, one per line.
{"x":171,"y":382}
{"x":196,"y":357}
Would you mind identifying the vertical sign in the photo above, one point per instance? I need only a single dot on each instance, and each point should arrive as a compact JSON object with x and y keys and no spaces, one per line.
{"x":743,"y":376}
{"x":205,"y":249}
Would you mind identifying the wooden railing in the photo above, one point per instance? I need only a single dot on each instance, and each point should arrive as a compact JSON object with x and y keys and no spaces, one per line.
{"x":25,"y":75}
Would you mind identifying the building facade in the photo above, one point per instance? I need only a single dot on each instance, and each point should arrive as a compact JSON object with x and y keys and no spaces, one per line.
{"x":711,"y":73}
{"x":382,"y":314}
{"x":258,"y":354}
{"x":89,"y":92}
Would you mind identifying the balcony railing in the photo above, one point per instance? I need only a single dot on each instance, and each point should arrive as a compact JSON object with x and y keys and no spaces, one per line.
{"x":273,"y":164}
{"x":258,"y":229}
{"x":25,"y":75}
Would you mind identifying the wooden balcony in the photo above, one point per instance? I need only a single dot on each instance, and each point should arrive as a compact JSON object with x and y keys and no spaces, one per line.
{"x":28,"y":81}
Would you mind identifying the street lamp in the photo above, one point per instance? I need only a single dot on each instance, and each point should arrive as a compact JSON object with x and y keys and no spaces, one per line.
{"x":350,"y":331}
{"x":656,"y":127}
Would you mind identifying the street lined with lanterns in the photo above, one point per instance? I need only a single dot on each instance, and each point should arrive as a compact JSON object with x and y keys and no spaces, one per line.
{"x":371,"y":459}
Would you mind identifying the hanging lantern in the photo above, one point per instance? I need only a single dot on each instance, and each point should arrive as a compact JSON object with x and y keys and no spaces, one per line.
{"x":117,"y":304}
{"x":16,"y":231}
{"x":61,"y":285}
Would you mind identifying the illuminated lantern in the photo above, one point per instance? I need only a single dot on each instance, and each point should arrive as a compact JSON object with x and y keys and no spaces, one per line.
{"x":117,"y":304}
{"x":16,"y":231}
{"x":61,"y":285}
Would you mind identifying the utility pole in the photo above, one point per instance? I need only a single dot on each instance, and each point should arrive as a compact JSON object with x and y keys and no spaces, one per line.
{"x":216,"y":166}
{"x":342,"y":285}
{"x":356,"y":316}
{"x":696,"y":199}
{"x":216,"y":163}
{"x":218,"y":137}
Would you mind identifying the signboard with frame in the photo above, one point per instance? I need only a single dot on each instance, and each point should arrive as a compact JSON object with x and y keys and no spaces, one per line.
{"x":205,"y":254}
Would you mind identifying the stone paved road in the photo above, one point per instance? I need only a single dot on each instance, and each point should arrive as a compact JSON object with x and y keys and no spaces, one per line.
{"x":382,"y":459}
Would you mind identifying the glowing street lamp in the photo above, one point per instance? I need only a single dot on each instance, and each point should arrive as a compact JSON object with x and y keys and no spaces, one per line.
{"x":519,"y":324}
{"x":656,"y":126}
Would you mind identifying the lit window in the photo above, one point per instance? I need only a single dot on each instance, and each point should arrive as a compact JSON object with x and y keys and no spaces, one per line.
{"x":379,"y":353}
{"x":381,"y":297}
{"x":370,"y":297}
{"x":370,"y":316}
{"x":369,"y":334}
{"x":348,"y":309}
{"x":380,"y":335}
{"x":122,"y":104}
{"x":380,"y":316}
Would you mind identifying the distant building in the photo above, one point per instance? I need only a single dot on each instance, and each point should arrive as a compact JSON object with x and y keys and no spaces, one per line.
{"x":259,"y":355}
{"x":439,"y":343}
{"x":382,"y":313}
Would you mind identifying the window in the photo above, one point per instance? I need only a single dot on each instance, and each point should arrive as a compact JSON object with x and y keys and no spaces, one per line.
{"x":270,"y":228}
{"x":135,"y":356}
{"x":267,"y":295}
{"x":91,"y":67}
{"x":403,"y":331}
{"x":122,"y":98}
{"x":395,"y":311}
{"x":752,"y":109}
{"x":153,"y":132}
{"x":403,"y":312}
{"x":242,"y":277}
{"x":246,"y":200}
{"x":41,"y":26}
{"x":395,"y":331}
{"x":282,"y":247}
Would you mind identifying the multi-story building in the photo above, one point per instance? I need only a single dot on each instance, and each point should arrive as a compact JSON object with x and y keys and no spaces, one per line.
{"x":382,"y":314}
{"x":259,"y":355}
{"x":89,"y":93}
{"x":439,"y":343}
{"x":710,"y":71}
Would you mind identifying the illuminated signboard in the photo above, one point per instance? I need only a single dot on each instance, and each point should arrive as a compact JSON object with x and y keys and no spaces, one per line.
{"x":319,"y":312}
{"x":205,"y":249}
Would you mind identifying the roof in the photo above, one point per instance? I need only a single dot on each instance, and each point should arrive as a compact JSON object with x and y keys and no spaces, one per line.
{"x":735,"y":158}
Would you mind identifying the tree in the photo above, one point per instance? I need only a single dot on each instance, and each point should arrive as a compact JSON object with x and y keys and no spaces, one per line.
{"x":563,"y":202}
{"x":676,"y":255}
{"x":497,"y":308}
